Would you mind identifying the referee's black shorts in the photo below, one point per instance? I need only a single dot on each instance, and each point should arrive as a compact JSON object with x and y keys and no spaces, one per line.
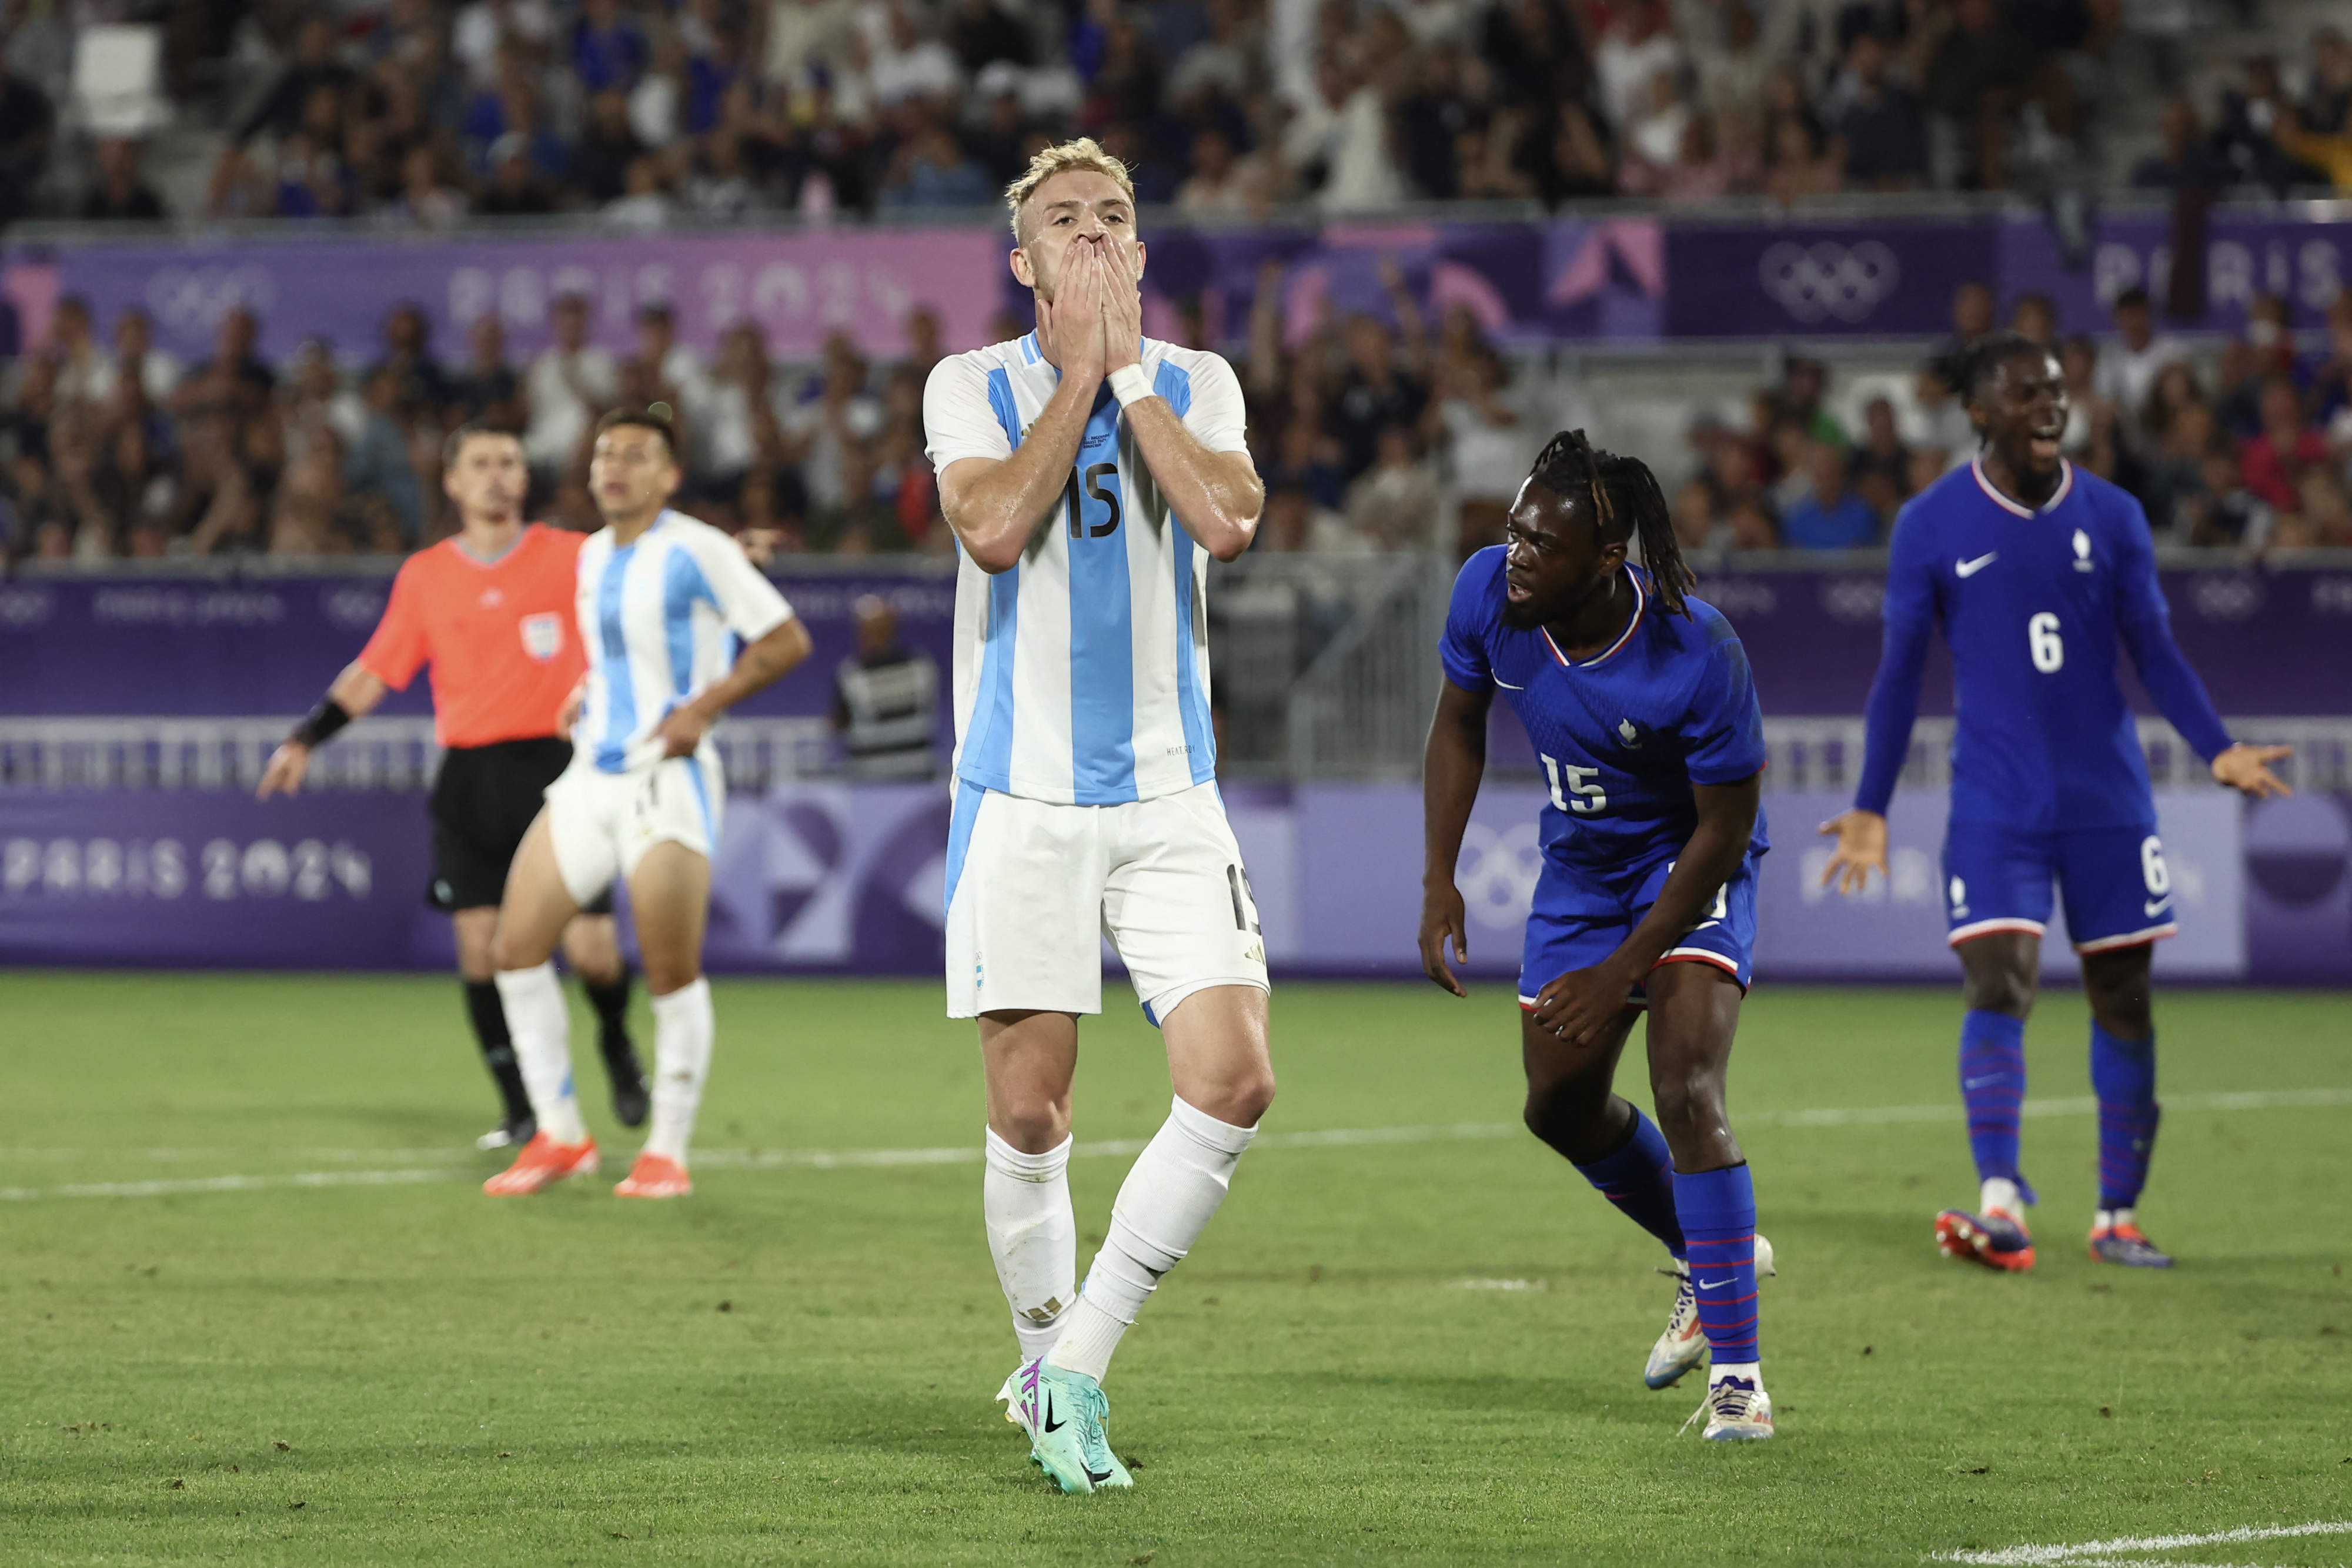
{"x":483,"y":803}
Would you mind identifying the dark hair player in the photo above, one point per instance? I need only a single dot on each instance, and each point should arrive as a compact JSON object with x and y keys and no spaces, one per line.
{"x":2034,"y":568}
{"x":1640,"y":705}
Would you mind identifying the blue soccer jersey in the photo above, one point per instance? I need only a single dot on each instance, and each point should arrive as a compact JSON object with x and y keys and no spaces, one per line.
{"x":2032,"y":603}
{"x":1622,"y":735}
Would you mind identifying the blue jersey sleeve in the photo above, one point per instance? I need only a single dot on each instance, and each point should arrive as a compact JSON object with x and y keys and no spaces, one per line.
{"x":1724,"y":726}
{"x":1462,"y":648}
{"x":1910,"y":611}
{"x":2146,"y":621}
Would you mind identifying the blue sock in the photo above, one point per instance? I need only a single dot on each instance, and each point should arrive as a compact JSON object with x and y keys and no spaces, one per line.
{"x":1638,"y":1177}
{"x":1718,"y":1216}
{"x":2122,"y":1073}
{"x":1993,"y":1083}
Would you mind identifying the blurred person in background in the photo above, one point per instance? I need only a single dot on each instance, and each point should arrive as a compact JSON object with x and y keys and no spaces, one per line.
{"x":1828,"y":516}
{"x":491,"y":612}
{"x":885,"y":698}
{"x":2275,"y":457}
{"x":1880,"y":468}
{"x":2129,"y":365}
{"x":570,"y":383}
{"x":1396,"y":503}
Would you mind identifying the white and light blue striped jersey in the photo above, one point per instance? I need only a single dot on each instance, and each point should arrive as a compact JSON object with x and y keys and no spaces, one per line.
{"x":1082,"y":674}
{"x":660,"y":617}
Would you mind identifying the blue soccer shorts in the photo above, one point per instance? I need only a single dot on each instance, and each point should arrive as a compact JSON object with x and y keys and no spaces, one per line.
{"x":2117,"y":890}
{"x":1581,"y":917}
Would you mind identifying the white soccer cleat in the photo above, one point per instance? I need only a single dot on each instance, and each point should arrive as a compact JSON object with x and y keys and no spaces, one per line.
{"x":1736,"y":1409}
{"x":1683,"y":1345}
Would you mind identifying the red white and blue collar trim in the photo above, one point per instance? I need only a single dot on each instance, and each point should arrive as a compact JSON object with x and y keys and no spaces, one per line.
{"x":1641,"y":608}
{"x":2065,"y":488}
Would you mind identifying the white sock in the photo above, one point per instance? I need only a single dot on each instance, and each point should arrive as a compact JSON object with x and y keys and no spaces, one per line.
{"x":682,"y":1029}
{"x":1164,"y":1205}
{"x":2107,"y":1219}
{"x":540,"y":1024}
{"x":1032,"y":1237}
{"x":1753,"y":1370}
{"x":2002,"y":1194}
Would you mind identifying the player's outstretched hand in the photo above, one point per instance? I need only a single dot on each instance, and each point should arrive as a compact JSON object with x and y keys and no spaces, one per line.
{"x":1860,"y":848}
{"x":287,"y":765}
{"x":2247,"y":769}
{"x":1442,"y":917}
{"x":1579,"y":1004}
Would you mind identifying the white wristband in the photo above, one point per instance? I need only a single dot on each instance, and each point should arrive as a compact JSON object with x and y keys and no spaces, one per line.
{"x":1129,"y":383}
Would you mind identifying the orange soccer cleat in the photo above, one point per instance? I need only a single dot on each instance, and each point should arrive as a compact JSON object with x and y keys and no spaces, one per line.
{"x":654,"y":1175}
{"x":543,"y":1163}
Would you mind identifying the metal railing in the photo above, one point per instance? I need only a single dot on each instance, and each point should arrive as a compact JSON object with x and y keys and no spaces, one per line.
{"x":1826,"y":754}
{"x":397,"y":753}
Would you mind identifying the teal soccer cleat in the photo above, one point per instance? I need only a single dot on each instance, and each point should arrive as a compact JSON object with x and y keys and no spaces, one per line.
{"x":1064,"y":1412}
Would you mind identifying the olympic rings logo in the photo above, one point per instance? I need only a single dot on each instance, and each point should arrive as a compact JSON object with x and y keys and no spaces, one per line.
{"x":1827,"y":280}
{"x":1497,"y":874}
{"x":188,"y":302}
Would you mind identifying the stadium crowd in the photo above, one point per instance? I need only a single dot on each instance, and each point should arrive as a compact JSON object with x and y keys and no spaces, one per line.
{"x":1372,"y":434}
{"x":417,"y":112}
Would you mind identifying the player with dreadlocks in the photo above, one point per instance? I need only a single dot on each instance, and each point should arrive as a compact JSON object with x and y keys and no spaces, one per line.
{"x":1640,"y":705}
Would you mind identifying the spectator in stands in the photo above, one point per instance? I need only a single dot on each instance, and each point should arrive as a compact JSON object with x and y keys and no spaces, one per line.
{"x":607,"y":147}
{"x":570,"y":383}
{"x":420,"y":386}
{"x":1637,"y":45}
{"x":2224,"y":513}
{"x":825,"y":434}
{"x":425,"y":201}
{"x":2274,"y":461}
{"x":644,"y":204}
{"x":2248,"y":135}
{"x":80,"y":364}
{"x":2092,"y":437}
{"x":137,"y":365}
{"x":668,"y":370}
{"x":982,"y":32}
{"x":2188,"y":162}
{"x":2176,"y":387}
{"x":609,"y":50}
{"x":515,"y":189}
{"x":1801,"y":165}
{"x":1733,"y":74}
{"x":313,"y":68}
{"x":1222,"y":183}
{"x":1490,"y":444}
{"x":486,"y":390}
{"x":2326,"y":156}
{"x":2322,"y":518}
{"x":1880,"y":129}
{"x":2327,"y":105}
{"x":2175,"y":485}
{"x":1980,"y":70}
{"x":1396,"y":504}
{"x":931,"y":169}
{"x":2129,"y":365}
{"x":377,"y":464}
{"x":739,"y":426}
{"x":2329,"y":389}
{"x":885,"y":698}
{"x":120,"y":195}
{"x":1377,"y":391}
{"x":1879,"y":469}
{"x":1829,"y":516}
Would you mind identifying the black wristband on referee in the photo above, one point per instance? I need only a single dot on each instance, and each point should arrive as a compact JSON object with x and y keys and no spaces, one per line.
{"x":315,"y":731}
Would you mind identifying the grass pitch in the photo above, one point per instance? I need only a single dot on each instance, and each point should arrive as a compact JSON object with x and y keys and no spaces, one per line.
{"x":1422,"y":1350}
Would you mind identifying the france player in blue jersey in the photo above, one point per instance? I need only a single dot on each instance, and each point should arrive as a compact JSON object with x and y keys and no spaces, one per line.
{"x":1640,"y":705}
{"x":2035,"y":568}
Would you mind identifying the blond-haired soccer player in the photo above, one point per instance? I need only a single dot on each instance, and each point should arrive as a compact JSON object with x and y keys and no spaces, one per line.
{"x":657,"y":596}
{"x":1089,"y":473}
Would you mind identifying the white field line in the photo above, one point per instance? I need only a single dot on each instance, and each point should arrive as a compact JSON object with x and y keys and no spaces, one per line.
{"x":2123,"y":1551}
{"x":970,"y":1154}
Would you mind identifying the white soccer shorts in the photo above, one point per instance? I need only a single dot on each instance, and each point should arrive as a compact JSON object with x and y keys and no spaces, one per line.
{"x":1034,"y":887}
{"x":604,"y":823}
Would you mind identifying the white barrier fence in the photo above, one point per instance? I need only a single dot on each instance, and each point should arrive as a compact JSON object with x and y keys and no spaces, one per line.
{"x":396,"y":754}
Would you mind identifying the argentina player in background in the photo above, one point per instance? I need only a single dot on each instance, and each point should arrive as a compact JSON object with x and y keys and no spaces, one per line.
{"x":2035,"y":568}
{"x":1089,"y":473}
{"x":1639,"y":702}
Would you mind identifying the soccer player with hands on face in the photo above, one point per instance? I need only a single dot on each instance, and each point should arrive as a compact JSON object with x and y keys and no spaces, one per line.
{"x":1089,"y":473}
{"x":2035,"y":568}
{"x":490,"y":610}
{"x":1640,"y":705}
{"x":661,"y":599}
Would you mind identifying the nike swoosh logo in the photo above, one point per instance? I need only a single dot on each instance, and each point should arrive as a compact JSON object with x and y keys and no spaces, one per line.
{"x":1717,"y":1286}
{"x":1977,"y":1082}
{"x":1507,"y":685}
{"x":2152,"y":907}
{"x":1970,"y":567}
{"x":1052,"y":1425}
{"x":1098,"y":1477}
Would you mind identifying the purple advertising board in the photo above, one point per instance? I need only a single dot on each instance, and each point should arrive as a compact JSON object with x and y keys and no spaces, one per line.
{"x":2266,"y":643}
{"x":799,"y":288}
{"x":850,"y":880}
{"x":1528,"y":285}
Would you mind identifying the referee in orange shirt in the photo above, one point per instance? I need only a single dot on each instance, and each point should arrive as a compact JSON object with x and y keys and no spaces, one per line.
{"x":492,"y":611}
